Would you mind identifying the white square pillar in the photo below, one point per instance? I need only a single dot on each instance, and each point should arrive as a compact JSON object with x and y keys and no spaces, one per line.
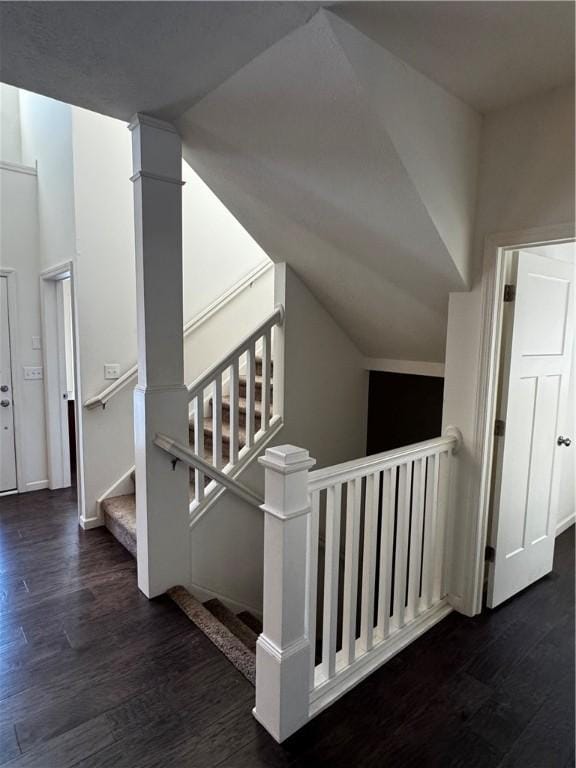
{"x":161,"y":397}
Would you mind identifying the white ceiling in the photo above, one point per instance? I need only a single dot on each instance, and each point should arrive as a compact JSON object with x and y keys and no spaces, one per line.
{"x":162,"y":57}
{"x":119,"y":58}
{"x":489,"y":54}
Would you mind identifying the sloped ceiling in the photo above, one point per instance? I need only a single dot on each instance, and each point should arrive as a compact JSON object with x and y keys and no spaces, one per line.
{"x":489,"y":54}
{"x":299,"y":146}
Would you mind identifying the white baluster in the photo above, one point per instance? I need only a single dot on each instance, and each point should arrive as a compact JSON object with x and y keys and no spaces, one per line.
{"x":430,"y":530}
{"x":312,"y":579}
{"x":443,"y":495}
{"x":217,"y":422}
{"x":283,"y":649}
{"x":250,"y":394}
{"x":386,"y":550}
{"x":199,"y":444}
{"x":402,"y":532}
{"x":415,"y":569}
{"x":234,"y":414}
{"x":331,"y":569}
{"x":369,"y":560}
{"x":352,"y":552}
{"x":266,"y":378}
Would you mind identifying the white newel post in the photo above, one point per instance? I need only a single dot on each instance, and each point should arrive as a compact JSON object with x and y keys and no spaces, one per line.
{"x":283,"y":650}
{"x":160,"y":398}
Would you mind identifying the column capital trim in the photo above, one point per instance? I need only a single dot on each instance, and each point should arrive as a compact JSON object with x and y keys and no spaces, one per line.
{"x":156,"y":177}
{"x":152,"y":122}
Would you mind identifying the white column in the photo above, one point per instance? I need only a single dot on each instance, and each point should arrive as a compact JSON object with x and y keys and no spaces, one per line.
{"x":160,"y":398}
{"x":283,"y":650}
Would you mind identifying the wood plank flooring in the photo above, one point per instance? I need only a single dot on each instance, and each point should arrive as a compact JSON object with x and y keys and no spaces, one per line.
{"x":93,"y":674}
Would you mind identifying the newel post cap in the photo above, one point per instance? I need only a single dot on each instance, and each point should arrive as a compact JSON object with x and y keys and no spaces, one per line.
{"x":286,"y":459}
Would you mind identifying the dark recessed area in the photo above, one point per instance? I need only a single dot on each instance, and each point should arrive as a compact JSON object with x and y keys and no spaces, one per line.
{"x":403,"y":409}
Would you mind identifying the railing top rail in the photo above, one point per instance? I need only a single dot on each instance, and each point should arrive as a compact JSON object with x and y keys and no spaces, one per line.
{"x":366,"y":465}
{"x":276,"y":318}
{"x":106,"y":394}
{"x":183,"y":453}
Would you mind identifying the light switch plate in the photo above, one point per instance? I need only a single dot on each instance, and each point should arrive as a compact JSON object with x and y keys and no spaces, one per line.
{"x":111,"y":371}
{"x":36,"y":344}
{"x":33,"y":372}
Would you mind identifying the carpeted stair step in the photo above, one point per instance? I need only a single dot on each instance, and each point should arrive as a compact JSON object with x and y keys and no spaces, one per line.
{"x":242,"y":387}
{"x":120,"y":516}
{"x":120,"y":519}
{"x":234,"y":623}
{"x":251,"y":621}
{"x":226,"y":641}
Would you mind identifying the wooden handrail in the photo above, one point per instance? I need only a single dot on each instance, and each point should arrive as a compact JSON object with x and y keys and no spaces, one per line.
{"x":183,"y":453}
{"x":276,"y":318}
{"x":341,"y":473}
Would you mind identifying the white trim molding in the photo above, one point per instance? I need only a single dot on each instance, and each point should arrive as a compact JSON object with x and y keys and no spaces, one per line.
{"x":413,"y":367}
{"x":29,"y":170}
{"x":563,"y":525}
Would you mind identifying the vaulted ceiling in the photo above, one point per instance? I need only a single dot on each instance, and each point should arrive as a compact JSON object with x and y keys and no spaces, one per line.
{"x":343,"y":136}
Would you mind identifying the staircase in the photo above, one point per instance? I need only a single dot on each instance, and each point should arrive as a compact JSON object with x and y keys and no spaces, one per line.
{"x":235,"y":635}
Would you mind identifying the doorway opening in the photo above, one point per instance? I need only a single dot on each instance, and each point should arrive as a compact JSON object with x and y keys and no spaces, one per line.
{"x":531,"y":492}
{"x":61,"y":375}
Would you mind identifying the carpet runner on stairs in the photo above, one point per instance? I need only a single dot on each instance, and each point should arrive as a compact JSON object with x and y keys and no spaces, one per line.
{"x":234,"y":635}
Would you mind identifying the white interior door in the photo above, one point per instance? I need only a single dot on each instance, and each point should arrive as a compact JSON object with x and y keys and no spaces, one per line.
{"x":7,"y":436}
{"x":534,"y":392}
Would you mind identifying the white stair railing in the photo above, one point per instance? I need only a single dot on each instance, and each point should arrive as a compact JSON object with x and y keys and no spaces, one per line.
{"x":354,"y":570}
{"x":241,"y":442}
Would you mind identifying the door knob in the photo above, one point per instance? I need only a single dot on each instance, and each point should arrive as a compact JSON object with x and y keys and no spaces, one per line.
{"x":4,"y":403}
{"x":4,"y":388}
{"x":564,"y":441}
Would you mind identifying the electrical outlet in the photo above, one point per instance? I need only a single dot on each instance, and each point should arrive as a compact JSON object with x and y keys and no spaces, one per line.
{"x":111,"y":371}
{"x":33,"y":372}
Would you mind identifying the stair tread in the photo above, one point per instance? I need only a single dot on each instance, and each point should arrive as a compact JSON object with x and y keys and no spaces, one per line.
{"x":226,"y":641}
{"x":120,"y":518}
{"x":122,"y":509}
{"x":242,"y":631}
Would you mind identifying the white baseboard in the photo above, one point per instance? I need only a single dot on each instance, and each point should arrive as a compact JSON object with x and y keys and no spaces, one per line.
{"x":202,"y":594}
{"x":563,"y":525}
{"x":87,"y":523}
{"x":37,"y":485}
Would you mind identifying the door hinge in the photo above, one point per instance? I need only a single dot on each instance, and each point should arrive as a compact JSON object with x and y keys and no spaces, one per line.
{"x":499,"y":427}
{"x":489,"y":554}
{"x":509,"y":292}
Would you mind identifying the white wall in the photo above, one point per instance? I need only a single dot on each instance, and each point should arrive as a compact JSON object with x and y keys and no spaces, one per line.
{"x":85,"y":212}
{"x":46,"y":128}
{"x":526,"y":181}
{"x":217,"y":250}
{"x":325,"y":410}
{"x":10,"y":139}
{"x":19,"y":251}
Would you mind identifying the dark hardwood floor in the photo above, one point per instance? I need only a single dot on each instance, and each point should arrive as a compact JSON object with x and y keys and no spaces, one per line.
{"x":93,"y":674}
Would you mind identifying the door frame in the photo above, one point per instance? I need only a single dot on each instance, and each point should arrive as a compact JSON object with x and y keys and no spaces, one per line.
{"x":13,"y":335}
{"x":57,"y":433}
{"x":492,"y":294}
